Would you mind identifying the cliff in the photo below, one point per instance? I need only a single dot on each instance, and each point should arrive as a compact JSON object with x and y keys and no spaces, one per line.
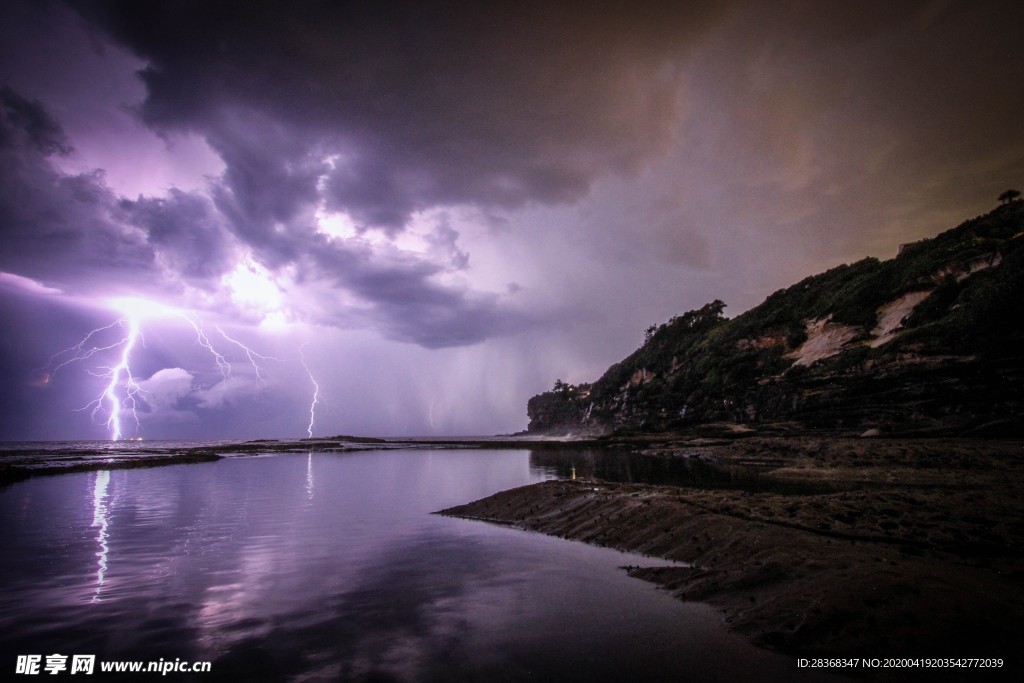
{"x":927,"y":342}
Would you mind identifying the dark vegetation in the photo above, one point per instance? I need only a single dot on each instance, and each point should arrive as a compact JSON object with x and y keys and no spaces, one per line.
{"x":955,"y":365}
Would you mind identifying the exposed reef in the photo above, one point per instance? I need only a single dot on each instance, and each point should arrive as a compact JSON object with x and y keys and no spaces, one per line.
{"x":891,"y":548}
{"x":53,"y":458}
{"x":16,"y":465}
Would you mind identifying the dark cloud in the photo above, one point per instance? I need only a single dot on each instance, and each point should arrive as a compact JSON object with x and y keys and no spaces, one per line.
{"x":406,"y":302}
{"x":187,"y":231}
{"x":74,"y":232}
{"x":877,"y":122}
{"x":425,"y":103}
{"x":381,"y":110}
{"x":28,"y":124}
{"x":270,"y":182}
{"x":445,"y":240}
{"x":55,"y":227}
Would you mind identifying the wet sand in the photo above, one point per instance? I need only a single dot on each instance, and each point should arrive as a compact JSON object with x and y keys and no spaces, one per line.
{"x":909,"y":548}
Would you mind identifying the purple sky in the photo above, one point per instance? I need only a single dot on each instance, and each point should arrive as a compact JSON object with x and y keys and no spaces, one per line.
{"x":437,"y":209}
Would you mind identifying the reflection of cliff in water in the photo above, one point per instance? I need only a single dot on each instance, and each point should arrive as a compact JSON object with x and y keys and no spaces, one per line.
{"x":635,"y":468}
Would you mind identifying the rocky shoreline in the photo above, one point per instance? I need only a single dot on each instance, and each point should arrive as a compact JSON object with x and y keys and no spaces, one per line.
{"x":908,"y":548}
{"x":26,"y":461}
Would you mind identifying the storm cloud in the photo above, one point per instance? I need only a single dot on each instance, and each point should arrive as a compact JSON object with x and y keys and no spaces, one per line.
{"x":421,"y":104}
{"x":462,"y":199}
{"x":73,"y":232}
{"x":56,"y":227}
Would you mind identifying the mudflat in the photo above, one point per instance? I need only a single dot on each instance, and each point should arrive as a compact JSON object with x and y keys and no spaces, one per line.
{"x":865,"y":548}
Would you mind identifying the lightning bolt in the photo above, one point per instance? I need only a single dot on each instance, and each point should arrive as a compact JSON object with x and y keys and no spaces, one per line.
{"x":131,"y":389}
{"x":251,"y":355}
{"x":79,"y":352}
{"x":204,"y":341}
{"x":121,"y":394}
{"x":316,"y":391}
{"x":116,"y":406}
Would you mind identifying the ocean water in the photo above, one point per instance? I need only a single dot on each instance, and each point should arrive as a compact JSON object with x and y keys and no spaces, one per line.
{"x":328,"y":566}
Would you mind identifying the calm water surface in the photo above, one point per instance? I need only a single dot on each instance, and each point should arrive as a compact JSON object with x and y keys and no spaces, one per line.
{"x":331,"y":567}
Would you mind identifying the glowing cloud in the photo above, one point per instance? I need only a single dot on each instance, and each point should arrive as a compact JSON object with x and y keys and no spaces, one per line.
{"x":338,"y":225}
{"x":254,"y":289}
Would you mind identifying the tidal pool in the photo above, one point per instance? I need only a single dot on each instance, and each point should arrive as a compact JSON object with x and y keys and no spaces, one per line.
{"x":330,"y":567}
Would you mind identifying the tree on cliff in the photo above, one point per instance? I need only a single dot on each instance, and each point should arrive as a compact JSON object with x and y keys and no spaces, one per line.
{"x":567,"y":389}
{"x":1009,"y":196}
{"x":702,"y":319}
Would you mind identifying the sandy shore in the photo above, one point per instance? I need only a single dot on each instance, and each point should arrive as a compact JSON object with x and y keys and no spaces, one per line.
{"x":911,"y":548}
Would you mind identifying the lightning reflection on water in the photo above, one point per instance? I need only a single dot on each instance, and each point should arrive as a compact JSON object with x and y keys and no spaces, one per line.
{"x":100,"y":520}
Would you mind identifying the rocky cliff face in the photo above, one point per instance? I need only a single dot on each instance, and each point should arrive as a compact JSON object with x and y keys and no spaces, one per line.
{"x":928,"y":342}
